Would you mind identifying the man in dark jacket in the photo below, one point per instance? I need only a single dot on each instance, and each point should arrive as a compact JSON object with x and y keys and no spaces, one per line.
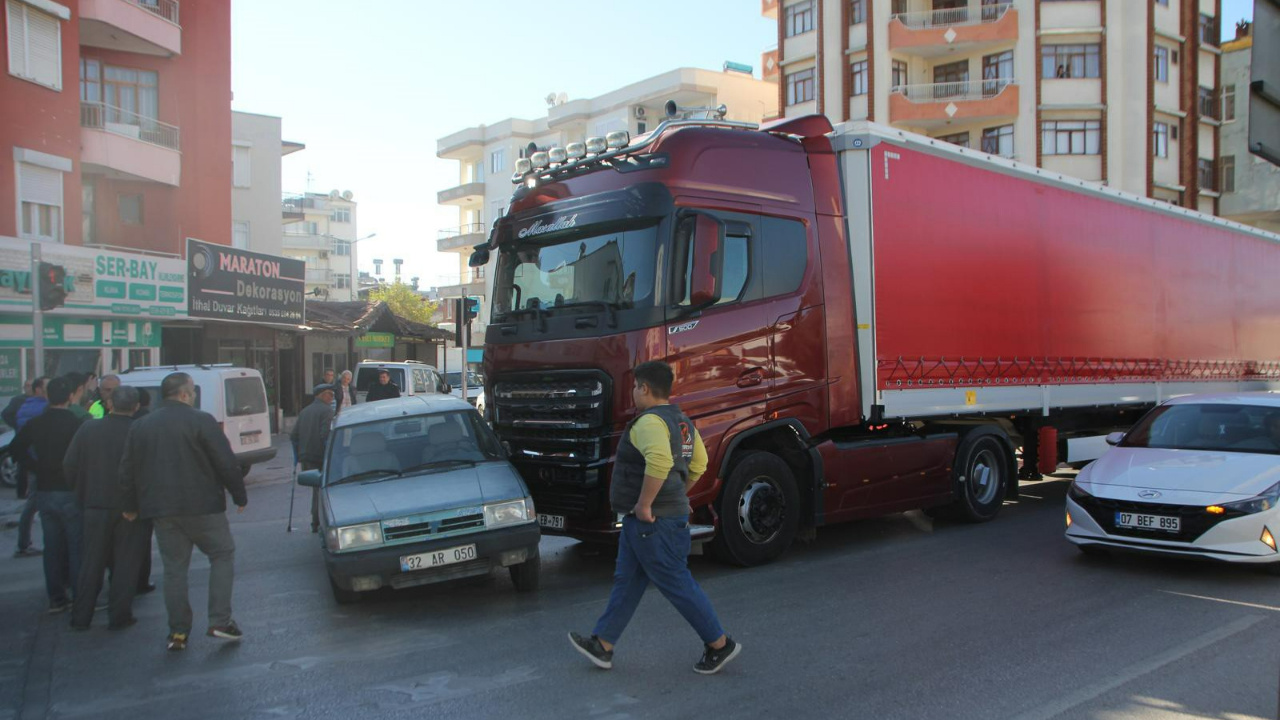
{"x":176,"y":471}
{"x":48,"y":436}
{"x":92,"y":464}
{"x":310,"y":433}
{"x":384,"y":389}
{"x":10,"y":412}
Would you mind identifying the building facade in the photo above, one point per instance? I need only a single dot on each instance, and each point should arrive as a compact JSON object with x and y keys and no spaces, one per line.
{"x":1123,"y":92}
{"x":486,"y":154}
{"x":256,"y":149}
{"x":1250,"y":185}
{"x":115,"y":126}
{"x":320,"y":228}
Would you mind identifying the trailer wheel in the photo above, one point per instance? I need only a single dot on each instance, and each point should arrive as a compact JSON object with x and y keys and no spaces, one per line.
{"x":759,"y":509}
{"x":981,"y":476}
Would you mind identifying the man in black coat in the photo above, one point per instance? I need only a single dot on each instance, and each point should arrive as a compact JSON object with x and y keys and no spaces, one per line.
{"x":176,"y":471}
{"x":92,"y":464}
{"x":384,"y":389}
{"x":310,"y":434}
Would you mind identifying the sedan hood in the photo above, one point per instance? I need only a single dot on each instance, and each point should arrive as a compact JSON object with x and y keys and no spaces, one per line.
{"x":353,"y":502}
{"x":1240,"y":474}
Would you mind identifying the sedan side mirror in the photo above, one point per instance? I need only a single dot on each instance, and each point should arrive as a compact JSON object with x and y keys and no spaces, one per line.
{"x":1114,"y":438}
{"x":309,"y":478}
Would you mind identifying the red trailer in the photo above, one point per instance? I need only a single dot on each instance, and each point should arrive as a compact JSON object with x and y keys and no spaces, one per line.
{"x":861,"y":320}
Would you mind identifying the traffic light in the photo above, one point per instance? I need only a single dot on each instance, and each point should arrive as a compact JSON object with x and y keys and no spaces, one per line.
{"x":464,"y":311}
{"x":472,"y":306}
{"x":53,"y":286}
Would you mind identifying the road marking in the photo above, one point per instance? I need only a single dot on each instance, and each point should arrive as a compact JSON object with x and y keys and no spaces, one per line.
{"x":1241,"y":603}
{"x":1137,"y":670}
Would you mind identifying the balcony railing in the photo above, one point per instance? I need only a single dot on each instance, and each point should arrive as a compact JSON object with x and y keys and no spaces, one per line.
{"x":167,"y":9}
{"x":319,"y":276}
{"x":101,"y":116}
{"x":302,"y":239}
{"x":467,"y":229}
{"x":953,"y":17}
{"x":295,"y":203}
{"x":954,"y":91}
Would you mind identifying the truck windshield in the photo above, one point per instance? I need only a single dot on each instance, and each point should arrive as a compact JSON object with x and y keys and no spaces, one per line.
{"x":615,"y":269}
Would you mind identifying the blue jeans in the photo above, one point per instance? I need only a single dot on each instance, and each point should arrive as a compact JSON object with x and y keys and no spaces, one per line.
{"x":63,"y":541}
{"x":656,"y":552}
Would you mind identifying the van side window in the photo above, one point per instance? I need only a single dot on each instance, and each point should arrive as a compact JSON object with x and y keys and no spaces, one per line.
{"x":786,"y":254}
{"x":419,"y":380}
{"x":245,"y":396}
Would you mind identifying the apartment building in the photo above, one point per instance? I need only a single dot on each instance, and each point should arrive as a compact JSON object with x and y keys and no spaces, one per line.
{"x":486,"y":154}
{"x":1123,"y":92}
{"x":320,"y":229}
{"x":256,"y":214}
{"x":1250,"y":186}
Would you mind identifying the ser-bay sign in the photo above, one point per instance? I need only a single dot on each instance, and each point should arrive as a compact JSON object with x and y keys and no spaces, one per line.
{"x":99,"y":282}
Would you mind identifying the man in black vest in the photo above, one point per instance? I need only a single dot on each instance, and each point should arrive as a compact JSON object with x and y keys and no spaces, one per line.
{"x":384,"y":389}
{"x":659,"y":458}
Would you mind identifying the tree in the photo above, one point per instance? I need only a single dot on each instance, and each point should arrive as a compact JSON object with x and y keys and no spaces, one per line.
{"x":405,"y":302}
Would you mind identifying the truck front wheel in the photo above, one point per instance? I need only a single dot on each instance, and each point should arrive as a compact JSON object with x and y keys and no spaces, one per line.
{"x":982,"y":470}
{"x":759,"y":509}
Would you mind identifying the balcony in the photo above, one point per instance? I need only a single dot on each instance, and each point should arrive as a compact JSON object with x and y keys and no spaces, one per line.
{"x":306,"y":241}
{"x":471,"y":193}
{"x":769,"y":9}
{"x":461,"y":239}
{"x":934,"y":33}
{"x":937,"y":105}
{"x":319,"y":276}
{"x":149,"y":27}
{"x":123,"y":144}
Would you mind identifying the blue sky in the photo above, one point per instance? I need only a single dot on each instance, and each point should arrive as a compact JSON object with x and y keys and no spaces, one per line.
{"x":369,"y":87}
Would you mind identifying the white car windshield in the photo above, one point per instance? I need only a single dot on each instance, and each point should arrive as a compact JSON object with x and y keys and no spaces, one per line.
{"x":413,"y":444}
{"x":1209,"y":426}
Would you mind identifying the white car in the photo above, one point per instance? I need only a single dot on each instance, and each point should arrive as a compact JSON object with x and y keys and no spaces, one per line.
{"x":1198,"y":476}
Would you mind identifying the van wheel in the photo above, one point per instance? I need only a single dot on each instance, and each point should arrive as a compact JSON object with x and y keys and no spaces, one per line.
{"x":981,"y":476}
{"x":525,"y":576}
{"x":343,"y":596}
{"x":759,"y":509}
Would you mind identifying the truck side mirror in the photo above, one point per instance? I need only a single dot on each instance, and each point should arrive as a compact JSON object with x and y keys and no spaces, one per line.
{"x":708,"y":261}
{"x":479,"y":257}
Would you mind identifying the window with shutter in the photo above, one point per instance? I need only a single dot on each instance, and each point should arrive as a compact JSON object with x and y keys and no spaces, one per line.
{"x":35,"y":45}
{"x":39,"y":202}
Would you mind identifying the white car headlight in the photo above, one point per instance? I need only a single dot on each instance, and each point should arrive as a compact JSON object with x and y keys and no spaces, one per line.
{"x":358,"y":536}
{"x":1265,"y":501}
{"x":508,"y":513}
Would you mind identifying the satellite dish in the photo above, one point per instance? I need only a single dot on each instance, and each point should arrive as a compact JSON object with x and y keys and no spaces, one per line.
{"x":333,"y":193}
{"x":562,"y":98}
{"x":551,"y":99}
{"x":347,"y":195}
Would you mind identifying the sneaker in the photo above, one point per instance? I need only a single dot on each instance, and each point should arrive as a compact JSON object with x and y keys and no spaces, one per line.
{"x":593,"y":650}
{"x":230,"y":631}
{"x":59,"y":606}
{"x":714,"y":660}
{"x":177,"y":642}
{"x":28,"y":552}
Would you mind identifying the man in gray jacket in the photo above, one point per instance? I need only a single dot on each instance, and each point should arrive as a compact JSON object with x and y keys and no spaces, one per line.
{"x":310,"y":433}
{"x":176,"y":471}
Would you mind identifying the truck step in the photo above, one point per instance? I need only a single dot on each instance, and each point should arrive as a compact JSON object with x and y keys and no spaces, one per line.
{"x":700,"y":533}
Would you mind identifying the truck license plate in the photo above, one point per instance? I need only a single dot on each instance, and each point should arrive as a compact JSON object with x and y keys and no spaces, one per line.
{"x":426,"y":561}
{"x":555,"y":522}
{"x":1139,"y":521}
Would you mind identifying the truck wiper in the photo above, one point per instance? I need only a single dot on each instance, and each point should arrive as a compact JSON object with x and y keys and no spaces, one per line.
{"x":609,"y":307}
{"x":539,"y":313}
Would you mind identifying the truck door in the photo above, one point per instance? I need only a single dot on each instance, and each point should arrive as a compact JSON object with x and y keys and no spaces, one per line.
{"x":792,"y":299}
{"x":720,"y":353}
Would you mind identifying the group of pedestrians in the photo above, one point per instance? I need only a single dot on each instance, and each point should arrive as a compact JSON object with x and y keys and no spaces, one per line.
{"x":104,"y":475}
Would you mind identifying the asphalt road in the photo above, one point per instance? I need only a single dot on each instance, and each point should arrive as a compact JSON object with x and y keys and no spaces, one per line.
{"x":881,"y":619}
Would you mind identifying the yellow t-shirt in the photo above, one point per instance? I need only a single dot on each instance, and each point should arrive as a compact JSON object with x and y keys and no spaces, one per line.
{"x":652,"y":438}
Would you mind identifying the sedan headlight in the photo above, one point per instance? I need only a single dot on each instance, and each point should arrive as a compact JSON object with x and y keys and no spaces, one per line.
{"x":358,"y":536}
{"x":1078,"y":493}
{"x":1266,"y":500}
{"x":508,"y":513}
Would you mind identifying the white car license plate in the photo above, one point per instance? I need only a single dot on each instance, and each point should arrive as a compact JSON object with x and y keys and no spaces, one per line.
{"x":555,"y":522}
{"x":248,"y":439}
{"x":1139,"y":521}
{"x":426,"y":561}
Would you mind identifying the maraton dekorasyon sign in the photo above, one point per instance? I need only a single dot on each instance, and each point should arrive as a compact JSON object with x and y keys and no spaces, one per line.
{"x":231,"y":284}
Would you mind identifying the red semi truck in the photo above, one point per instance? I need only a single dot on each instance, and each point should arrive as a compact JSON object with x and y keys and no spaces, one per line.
{"x":861,"y":320}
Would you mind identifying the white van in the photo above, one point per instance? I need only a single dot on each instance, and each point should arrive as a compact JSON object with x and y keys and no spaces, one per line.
{"x":234,"y":396}
{"x":411,"y":376}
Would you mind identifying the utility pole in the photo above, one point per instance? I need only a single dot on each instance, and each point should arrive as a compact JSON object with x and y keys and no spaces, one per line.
{"x":37,"y":312}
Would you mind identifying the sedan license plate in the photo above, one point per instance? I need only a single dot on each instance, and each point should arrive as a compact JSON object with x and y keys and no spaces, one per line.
{"x":555,"y":522}
{"x":426,"y":561}
{"x":1138,"y":521}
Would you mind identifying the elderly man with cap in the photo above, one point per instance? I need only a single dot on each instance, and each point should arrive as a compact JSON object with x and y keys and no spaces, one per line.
{"x":92,"y":464}
{"x":102,"y":405}
{"x":310,"y":433}
{"x":384,"y":389}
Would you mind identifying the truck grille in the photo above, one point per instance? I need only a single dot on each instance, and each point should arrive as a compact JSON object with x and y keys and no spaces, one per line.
{"x":1195,"y":521}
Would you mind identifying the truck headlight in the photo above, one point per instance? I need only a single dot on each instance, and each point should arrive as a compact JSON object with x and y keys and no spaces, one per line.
{"x":1265,"y":500}
{"x":358,"y":536}
{"x":508,"y":513}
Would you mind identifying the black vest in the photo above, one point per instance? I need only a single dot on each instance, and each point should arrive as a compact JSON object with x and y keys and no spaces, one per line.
{"x":628,"y":467}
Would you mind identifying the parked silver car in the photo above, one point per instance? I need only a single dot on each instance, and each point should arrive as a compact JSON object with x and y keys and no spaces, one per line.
{"x":418,"y":490}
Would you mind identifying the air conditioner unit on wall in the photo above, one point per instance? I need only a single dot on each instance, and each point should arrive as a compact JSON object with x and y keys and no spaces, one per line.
{"x":639,"y":111}
{"x":324,"y":254}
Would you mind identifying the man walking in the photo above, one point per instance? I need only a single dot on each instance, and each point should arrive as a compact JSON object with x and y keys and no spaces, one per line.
{"x":31,"y":407}
{"x":49,"y":435}
{"x":345,"y":393}
{"x":659,"y":458}
{"x":384,"y":389}
{"x":310,"y":433}
{"x":92,"y":465}
{"x":106,"y":386}
{"x":176,"y":470}
{"x":10,"y":412}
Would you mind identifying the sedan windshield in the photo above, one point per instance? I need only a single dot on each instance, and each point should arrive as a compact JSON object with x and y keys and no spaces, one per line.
{"x":1230,"y":428}
{"x":614,"y":269}
{"x":412,"y":444}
